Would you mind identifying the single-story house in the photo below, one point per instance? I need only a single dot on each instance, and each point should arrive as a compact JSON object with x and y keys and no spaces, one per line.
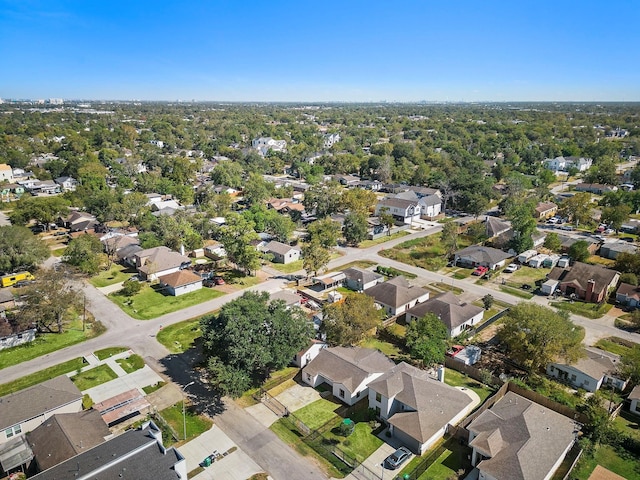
{"x":304,"y":356}
{"x":23,"y":411}
{"x":282,"y":253}
{"x":628,"y":295}
{"x":348,"y":370}
{"x":517,"y":439}
{"x":457,"y":316}
{"x":634,"y":398}
{"x":158,"y":261}
{"x":397,"y":296}
{"x":181,"y":282}
{"x":596,"y":188}
{"x":611,"y":250}
{"x":590,"y":372}
{"x":565,"y":243}
{"x":330,"y":280}
{"x":291,"y":299}
{"x":545,"y":210}
{"x":405,"y":211}
{"x":417,"y":407}
{"x":495,"y":227}
{"x":17,"y":337}
{"x":591,"y":283}
{"x":477,"y":255}
{"x":215,"y":251}
{"x":359,"y":279}
{"x":285,"y":205}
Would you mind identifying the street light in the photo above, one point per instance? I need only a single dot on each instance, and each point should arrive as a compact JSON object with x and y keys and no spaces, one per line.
{"x":184,"y":414}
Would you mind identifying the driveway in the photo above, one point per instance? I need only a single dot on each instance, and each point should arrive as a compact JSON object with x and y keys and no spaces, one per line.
{"x":136,"y":380}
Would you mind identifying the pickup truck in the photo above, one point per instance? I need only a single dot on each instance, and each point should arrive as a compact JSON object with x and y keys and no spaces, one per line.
{"x":479,"y":271}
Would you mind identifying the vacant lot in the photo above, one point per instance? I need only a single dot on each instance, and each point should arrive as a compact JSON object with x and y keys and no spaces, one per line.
{"x":425,"y":252}
{"x":116,"y":274}
{"x":179,"y":337}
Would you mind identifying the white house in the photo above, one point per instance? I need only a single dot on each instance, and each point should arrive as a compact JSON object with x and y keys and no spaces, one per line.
{"x":181,"y":282}
{"x":359,"y":279}
{"x":417,"y":408}
{"x":397,"y":296}
{"x":562,"y":164}
{"x":304,"y":356}
{"x":264,"y":144}
{"x":330,"y":139}
{"x":456,"y":315}
{"x":405,"y":211}
{"x":6,"y":173}
{"x":590,"y":372}
{"x":158,"y":261}
{"x":68,"y":184}
{"x":634,"y":398}
{"x":282,"y":253}
{"x":347,"y":370}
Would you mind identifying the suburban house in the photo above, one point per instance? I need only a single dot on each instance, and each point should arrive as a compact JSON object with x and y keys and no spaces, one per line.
{"x":590,"y":372}
{"x":8,"y":190}
{"x":477,"y":255}
{"x":158,"y":261}
{"x":611,"y":250}
{"x":495,"y":227}
{"x":517,"y":439}
{"x":359,"y":279}
{"x":563,"y":164}
{"x":566,"y":242}
{"x":264,"y":144}
{"x":590,"y":283}
{"x":66,"y":435}
{"x":634,"y":398}
{"x":628,"y":295}
{"x":597,"y":188}
{"x":23,"y":411}
{"x":545,"y":210}
{"x":330,"y":139}
{"x":181,"y":282}
{"x":12,"y":338}
{"x":6,"y":173}
{"x":290,"y":299}
{"x":347,"y":370}
{"x":457,"y":316}
{"x":405,"y":211}
{"x":417,"y":407}
{"x":68,"y":184}
{"x":304,"y":356}
{"x":79,"y":221}
{"x":430,"y":203}
{"x":329,"y":280}
{"x":282,"y":253}
{"x":136,"y":453}
{"x":285,"y":205}
{"x":397,"y":296}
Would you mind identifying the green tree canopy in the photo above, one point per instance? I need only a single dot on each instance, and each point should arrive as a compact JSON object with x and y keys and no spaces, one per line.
{"x":85,"y":252}
{"x":630,"y":364}
{"x":315,"y":257}
{"x":426,"y":339}
{"x":536,"y":335}
{"x":236,"y":236}
{"x":577,"y":208}
{"x":552,"y":242}
{"x":20,"y":249}
{"x":347,"y":322}
{"x":579,"y":251}
{"x":355,"y":228}
{"x":43,"y":210}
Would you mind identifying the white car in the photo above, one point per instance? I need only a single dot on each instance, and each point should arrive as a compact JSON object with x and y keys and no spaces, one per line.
{"x":512,"y":267}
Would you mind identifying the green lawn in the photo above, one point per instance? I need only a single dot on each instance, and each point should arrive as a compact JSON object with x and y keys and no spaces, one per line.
{"x":447,"y":287}
{"x":179,"y":337}
{"x":58,"y":252}
{"x":622,"y":463}
{"x":528,"y":275}
{"x":378,"y":241}
{"x":357,"y":264}
{"x":457,"y":379}
{"x":116,"y":274}
{"x":94,"y":377}
{"x":516,"y":292}
{"x":287,"y":268}
{"x":588,"y":310}
{"x":43,"y":344}
{"x":131,"y":363}
{"x":628,"y":423}
{"x":277,"y":378}
{"x":317,"y":413}
{"x":236,"y":277}
{"x":426,"y":252}
{"x":360,"y":444}
{"x":448,"y":463}
{"x":109,"y":352}
{"x":152,"y":303}
{"x":196,"y":424}
{"x":610,"y":345}
{"x":389,"y":349}
{"x":149,"y":389}
{"x":41,"y":376}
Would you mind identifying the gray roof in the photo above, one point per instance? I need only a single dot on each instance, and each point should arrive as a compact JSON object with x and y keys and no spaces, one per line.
{"x":349,"y":366}
{"x":278,"y":247}
{"x":396,"y":292}
{"x":495,"y":227}
{"x":36,"y":400}
{"x":580,"y":273}
{"x":635,"y":393}
{"x":596,"y":363}
{"x":288,"y":297}
{"x":397,"y":203}
{"x":430,"y":200}
{"x":158,"y":259}
{"x":448,"y":308}
{"x":482,"y":254}
{"x":523,"y":439}
{"x":64,"y":435}
{"x":6,"y":295}
{"x":361,"y":275}
{"x":629,"y":291}
{"x":435,"y":404}
{"x":116,"y":459}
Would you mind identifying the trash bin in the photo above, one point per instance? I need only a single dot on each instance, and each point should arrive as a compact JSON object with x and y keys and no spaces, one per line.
{"x":207,"y":462}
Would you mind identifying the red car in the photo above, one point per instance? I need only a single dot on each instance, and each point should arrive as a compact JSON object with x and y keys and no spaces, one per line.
{"x":218,"y":280}
{"x":479,"y":271}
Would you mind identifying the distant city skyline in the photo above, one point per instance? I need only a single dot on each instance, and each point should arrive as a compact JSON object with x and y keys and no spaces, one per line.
{"x":296,"y":51}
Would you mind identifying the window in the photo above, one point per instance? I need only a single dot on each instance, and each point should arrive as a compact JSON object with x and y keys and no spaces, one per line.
{"x":10,"y":432}
{"x":341,"y":393}
{"x":378,"y":397}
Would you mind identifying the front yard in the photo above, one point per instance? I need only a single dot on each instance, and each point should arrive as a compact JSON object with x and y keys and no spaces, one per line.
{"x":94,"y":377}
{"x":588,"y":310}
{"x":181,"y":336}
{"x":42,"y":375}
{"x":196,"y":424}
{"x":116,"y":274}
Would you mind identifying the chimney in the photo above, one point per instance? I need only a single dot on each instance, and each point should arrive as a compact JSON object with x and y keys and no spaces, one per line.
{"x":591,"y":285}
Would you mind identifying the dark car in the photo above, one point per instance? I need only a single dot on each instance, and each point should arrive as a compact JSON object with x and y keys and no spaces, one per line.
{"x":218,"y":280}
{"x":397,"y":458}
{"x":526,"y":286}
{"x":627,"y":239}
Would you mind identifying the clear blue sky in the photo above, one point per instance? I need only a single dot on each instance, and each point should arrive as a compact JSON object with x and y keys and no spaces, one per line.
{"x":304,"y":50}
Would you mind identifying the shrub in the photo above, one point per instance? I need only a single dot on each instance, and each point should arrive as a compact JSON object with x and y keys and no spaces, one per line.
{"x":129,"y":289}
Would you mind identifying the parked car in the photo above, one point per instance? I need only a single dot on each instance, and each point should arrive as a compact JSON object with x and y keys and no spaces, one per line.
{"x":512,"y":267}
{"x":526,"y":286}
{"x":397,"y":458}
{"x":208,"y":282}
{"x":480,"y":270}
{"x":627,"y":239}
{"x":218,"y":280}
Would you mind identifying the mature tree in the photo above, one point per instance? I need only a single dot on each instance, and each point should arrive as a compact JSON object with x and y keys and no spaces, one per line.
{"x":347,"y":322}
{"x":487,"y":301}
{"x":50,"y":302}
{"x":520,"y":213}
{"x":630,"y":364}
{"x":236,"y":236}
{"x":603,"y":172}
{"x":278,"y":225}
{"x":449,"y":237}
{"x":20,"y":249}
{"x":44,"y":210}
{"x":615,"y":216}
{"x":577,"y":208}
{"x":579,"y":251}
{"x":426,"y":339}
{"x":536,"y":335}
{"x":628,"y":263}
{"x":315,"y":257}
{"x":323,"y":199}
{"x":355,"y":228}
{"x":256,"y":189}
{"x":630,"y":278}
{"x":249,"y":338}
{"x":325,"y":231}
{"x":85,"y":252}
{"x":387,"y":220}
{"x":227,"y":173}
{"x":552,"y":242}
{"x":358,"y":200}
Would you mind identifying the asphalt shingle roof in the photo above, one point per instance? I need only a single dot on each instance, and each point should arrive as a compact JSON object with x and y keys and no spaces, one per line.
{"x":396,"y":292}
{"x":446,"y":306}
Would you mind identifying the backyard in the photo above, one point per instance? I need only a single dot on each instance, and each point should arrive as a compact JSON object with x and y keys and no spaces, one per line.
{"x":623,"y":463}
{"x":426,"y":252}
{"x":442,"y":462}
{"x":457,"y":379}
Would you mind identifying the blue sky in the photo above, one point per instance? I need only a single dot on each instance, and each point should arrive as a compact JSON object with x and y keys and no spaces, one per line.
{"x":304,"y":50}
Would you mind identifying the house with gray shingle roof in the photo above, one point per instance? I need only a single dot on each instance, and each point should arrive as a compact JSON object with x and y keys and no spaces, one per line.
{"x":417,"y":407}
{"x":457,"y":316}
{"x":348,"y":370}
{"x":360,"y":279}
{"x":478,"y":255}
{"x":591,"y":283}
{"x":595,"y":368}
{"x":405,"y":211}
{"x":181,"y":282}
{"x":517,"y":439}
{"x":396,"y":296}
{"x":282,"y":253}
{"x":158,"y":261}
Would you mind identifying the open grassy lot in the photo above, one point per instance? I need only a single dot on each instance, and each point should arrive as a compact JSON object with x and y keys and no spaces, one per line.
{"x":425,"y":252}
{"x":378,"y":241}
{"x":457,"y":379}
{"x":528,"y":275}
{"x":46,"y":343}
{"x":131,"y":363}
{"x":41,"y":376}
{"x":109,"y":352}
{"x":152,"y":303}
{"x":588,"y":310}
{"x":628,"y":423}
{"x":287,"y":268}
{"x":93,"y":377}
{"x":622,"y":463}
{"x":116,"y":274}
{"x":272,"y":384}
{"x":516,"y":292}
{"x":196,"y":424}
{"x":179,"y":337}
{"x":318,"y":413}
{"x":357,"y":263}
{"x":611,"y":344}
{"x":236,"y":277}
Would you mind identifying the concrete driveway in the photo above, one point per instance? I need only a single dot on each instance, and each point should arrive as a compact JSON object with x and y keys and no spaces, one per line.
{"x":138,"y":379}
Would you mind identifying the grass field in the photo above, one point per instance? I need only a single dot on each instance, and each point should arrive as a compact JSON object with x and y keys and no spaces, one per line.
{"x":131,"y":363}
{"x":622,"y":463}
{"x":116,"y":274}
{"x":516,"y":292}
{"x":318,"y":413}
{"x":588,"y":310}
{"x":611,"y":345}
{"x":425,"y":252}
{"x":152,"y":303}
{"x":628,"y":423}
{"x":196,"y":424}
{"x":356,"y":264}
{"x":179,"y":337}
{"x":94,"y":377}
{"x":41,"y":376}
{"x":378,"y":241}
{"x":387,"y":348}
{"x":109,"y":352}
{"x":528,"y":275}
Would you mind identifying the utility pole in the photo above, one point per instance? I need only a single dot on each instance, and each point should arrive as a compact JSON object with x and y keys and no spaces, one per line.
{"x":184,"y":414}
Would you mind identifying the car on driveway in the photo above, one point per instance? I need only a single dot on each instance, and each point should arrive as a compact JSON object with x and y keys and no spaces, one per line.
{"x":479,"y":271}
{"x":512,"y":267}
{"x":397,"y":458}
{"x":218,"y":280}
